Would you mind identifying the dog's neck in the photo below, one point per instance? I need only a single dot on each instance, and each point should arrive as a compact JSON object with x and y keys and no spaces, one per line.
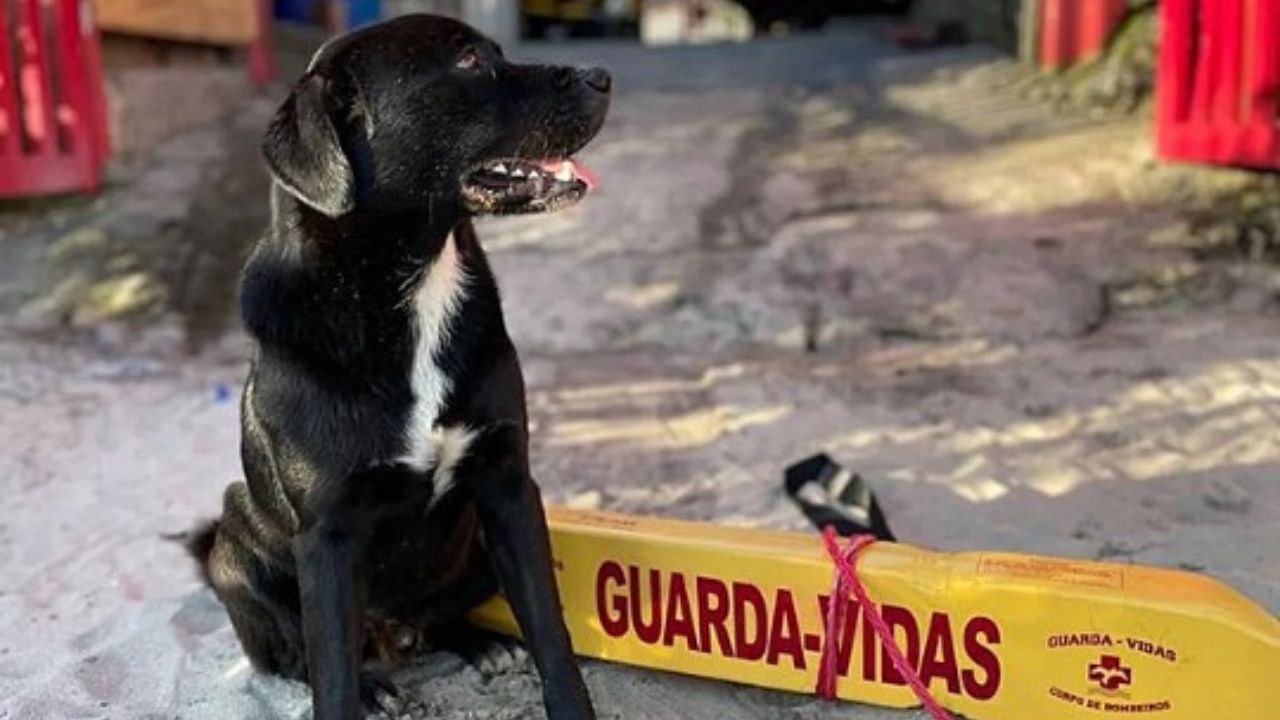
{"x":345,"y":286}
{"x":399,"y":241}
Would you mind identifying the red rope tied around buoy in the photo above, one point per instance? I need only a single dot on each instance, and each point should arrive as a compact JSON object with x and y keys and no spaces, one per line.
{"x":846,"y":580}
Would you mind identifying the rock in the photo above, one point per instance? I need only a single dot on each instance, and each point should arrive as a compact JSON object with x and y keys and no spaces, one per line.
{"x":589,"y":500}
{"x":785,"y":195}
{"x":80,"y":241}
{"x":117,"y":297}
{"x":1009,"y":296}
{"x":40,"y":315}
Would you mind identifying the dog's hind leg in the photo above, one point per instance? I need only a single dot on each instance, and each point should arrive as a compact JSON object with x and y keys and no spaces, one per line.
{"x":264,"y":607}
{"x":260,"y":596}
{"x":262,"y":603}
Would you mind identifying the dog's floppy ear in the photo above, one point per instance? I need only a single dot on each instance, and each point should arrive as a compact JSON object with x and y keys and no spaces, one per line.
{"x":304,"y":152}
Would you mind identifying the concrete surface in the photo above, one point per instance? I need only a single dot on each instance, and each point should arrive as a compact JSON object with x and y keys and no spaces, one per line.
{"x":987,"y":308}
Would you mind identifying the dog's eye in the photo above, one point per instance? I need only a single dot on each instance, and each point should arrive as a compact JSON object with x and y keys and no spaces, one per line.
{"x":469,"y":59}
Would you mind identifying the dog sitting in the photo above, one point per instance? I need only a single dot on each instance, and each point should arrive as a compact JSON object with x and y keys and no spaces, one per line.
{"x":384,"y":443}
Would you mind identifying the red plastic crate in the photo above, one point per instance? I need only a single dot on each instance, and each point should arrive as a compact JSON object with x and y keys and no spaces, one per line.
{"x":1218,"y":83}
{"x":1072,"y":31}
{"x":53,"y":124}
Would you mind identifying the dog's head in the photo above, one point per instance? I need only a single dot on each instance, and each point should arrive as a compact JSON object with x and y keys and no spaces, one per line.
{"x":423,"y":113}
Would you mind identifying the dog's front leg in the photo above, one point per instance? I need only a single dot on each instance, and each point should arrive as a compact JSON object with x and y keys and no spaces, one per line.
{"x":338,"y":521}
{"x":515,"y":533}
{"x":332,"y":618}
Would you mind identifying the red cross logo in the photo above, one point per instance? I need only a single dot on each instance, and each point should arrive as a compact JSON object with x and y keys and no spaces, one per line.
{"x":1109,"y":674}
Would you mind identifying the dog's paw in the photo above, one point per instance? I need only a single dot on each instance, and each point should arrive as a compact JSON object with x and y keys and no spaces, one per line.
{"x":490,"y":654}
{"x":401,"y":706}
{"x":377,"y":692}
{"x":498,"y":657}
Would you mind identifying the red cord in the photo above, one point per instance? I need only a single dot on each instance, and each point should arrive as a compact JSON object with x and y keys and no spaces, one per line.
{"x":846,"y":580}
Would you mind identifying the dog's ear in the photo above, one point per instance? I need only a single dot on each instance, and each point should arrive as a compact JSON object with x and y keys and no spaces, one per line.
{"x":304,"y":152}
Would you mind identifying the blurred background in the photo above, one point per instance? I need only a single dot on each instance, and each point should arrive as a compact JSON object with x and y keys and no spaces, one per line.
{"x":1014,"y":261}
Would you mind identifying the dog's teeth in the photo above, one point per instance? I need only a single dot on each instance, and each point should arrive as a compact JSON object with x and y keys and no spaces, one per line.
{"x":565,"y":173}
{"x":500,"y":168}
{"x":517,"y":173}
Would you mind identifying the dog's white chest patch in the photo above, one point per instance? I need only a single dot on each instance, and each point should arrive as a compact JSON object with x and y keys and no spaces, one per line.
{"x":435,"y":303}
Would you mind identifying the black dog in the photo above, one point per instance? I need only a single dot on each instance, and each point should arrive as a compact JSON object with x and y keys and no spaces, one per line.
{"x":383,"y":422}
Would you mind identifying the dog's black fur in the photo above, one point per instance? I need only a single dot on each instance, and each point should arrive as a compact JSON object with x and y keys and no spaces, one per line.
{"x":380,"y":155}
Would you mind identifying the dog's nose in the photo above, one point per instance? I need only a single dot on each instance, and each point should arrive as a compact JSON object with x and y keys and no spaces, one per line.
{"x":597,"y":79}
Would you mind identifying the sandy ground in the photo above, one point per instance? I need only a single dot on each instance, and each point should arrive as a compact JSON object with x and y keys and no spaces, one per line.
{"x":979,"y":304}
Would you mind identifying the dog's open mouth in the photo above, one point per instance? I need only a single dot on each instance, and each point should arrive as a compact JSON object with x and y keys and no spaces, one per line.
{"x":516,"y":185}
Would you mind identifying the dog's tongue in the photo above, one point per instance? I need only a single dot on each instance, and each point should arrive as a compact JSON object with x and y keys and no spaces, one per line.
{"x":568,"y":168}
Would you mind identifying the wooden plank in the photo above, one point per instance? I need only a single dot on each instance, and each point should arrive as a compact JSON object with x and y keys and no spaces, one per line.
{"x":214,"y":22}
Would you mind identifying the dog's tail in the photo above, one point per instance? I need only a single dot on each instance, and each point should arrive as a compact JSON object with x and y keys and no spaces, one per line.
{"x":199,"y":544}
